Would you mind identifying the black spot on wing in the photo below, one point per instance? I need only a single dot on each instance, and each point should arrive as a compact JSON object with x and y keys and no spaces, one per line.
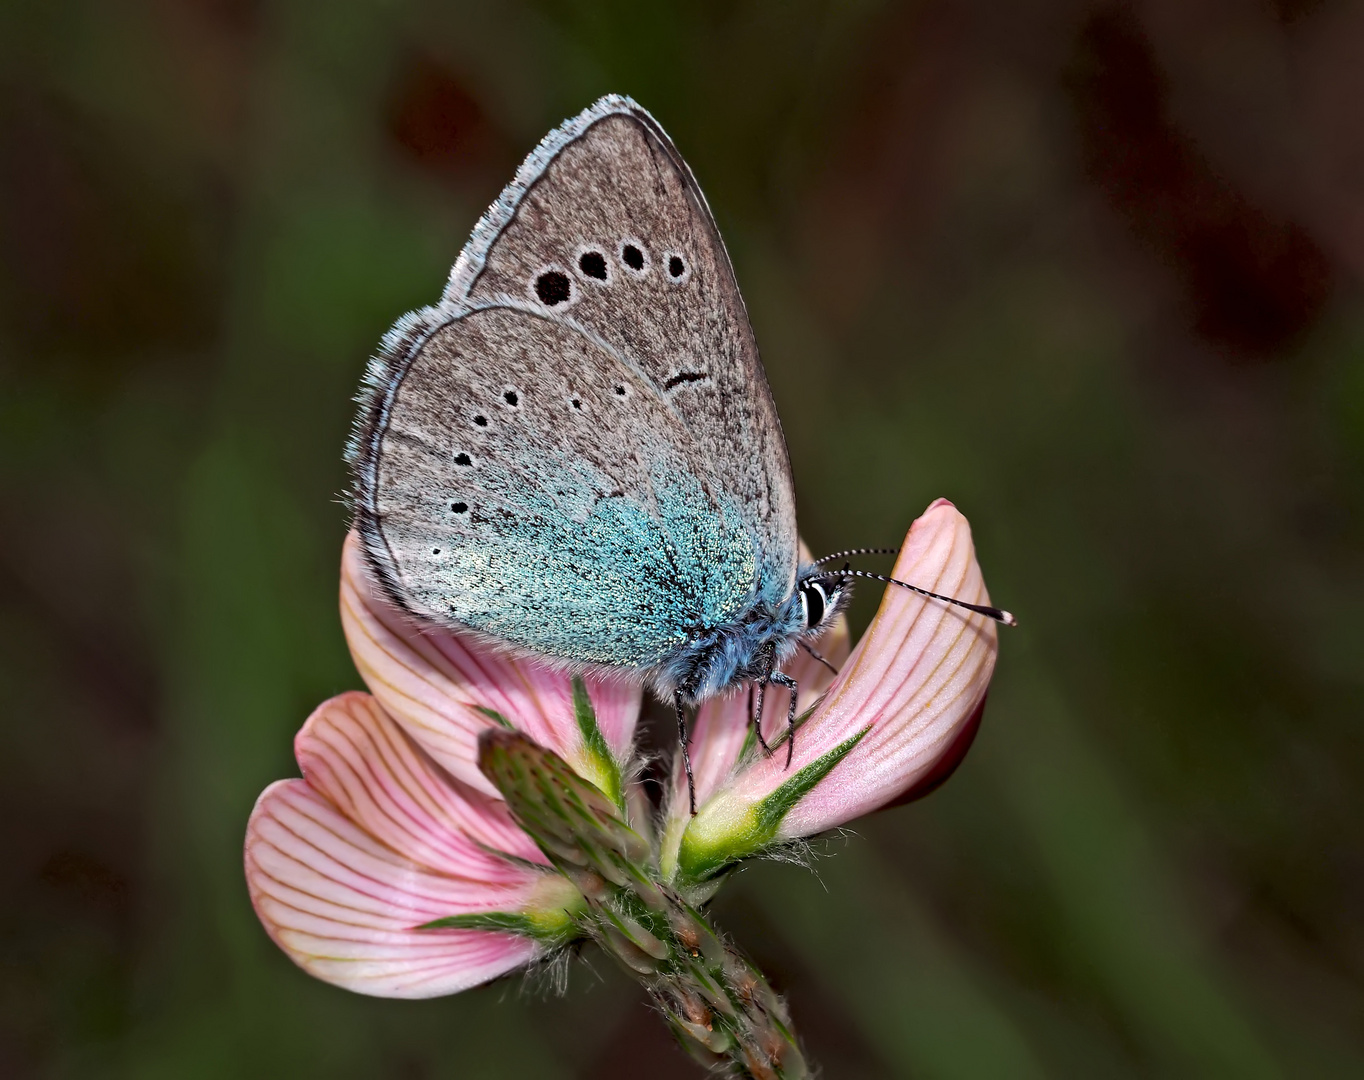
{"x":553,"y":288}
{"x":593,"y":264}
{"x":685,"y":377}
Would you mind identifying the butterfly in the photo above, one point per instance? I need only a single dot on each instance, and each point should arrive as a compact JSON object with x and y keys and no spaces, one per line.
{"x":575,"y":454}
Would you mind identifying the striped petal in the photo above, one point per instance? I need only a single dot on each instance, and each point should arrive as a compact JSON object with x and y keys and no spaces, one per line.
{"x":346,"y":866}
{"x":902,"y":707}
{"x":445,"y":688}
{"x":354,"y":755}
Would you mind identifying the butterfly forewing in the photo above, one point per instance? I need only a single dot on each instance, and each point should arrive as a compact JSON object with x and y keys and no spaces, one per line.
{"x":532,"y":488}
{"x":677,"y":315}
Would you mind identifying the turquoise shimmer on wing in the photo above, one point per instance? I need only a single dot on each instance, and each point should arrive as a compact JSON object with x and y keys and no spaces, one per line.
{"x":626,"y":585}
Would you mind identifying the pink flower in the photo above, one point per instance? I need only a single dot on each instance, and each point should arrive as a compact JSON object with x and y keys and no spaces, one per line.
{"x":394,"y":867}
{"x":896,"y":720}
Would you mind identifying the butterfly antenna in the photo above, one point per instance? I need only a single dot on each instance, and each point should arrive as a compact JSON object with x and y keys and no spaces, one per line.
{"x":811,"y":650}
{"x":998,"y":614}
{"x":855,"y":551}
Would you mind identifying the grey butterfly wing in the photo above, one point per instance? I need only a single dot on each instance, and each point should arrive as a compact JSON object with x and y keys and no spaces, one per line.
{"x":610,"y":181}
{"x":525,"y":482}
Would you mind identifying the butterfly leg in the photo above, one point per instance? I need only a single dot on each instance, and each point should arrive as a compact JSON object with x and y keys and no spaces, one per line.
{"x":682,"y":742}
{"x":813,"y":652}
{"x":757,"y":714}
{"x":790,"y":684}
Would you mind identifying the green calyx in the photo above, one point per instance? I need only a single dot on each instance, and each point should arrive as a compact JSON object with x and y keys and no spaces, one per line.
{"x":718,"y":1005}
{"x":720,"y":835}
{"x":550,"y":928}
{"x":496,"y":717}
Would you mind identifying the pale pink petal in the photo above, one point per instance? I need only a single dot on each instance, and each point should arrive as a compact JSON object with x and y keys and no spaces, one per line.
{"x":435,"y":683}
{"x":352,"y":753}
{"x":347,"y":908}
{"x":914,"y":685}
{"x":722,"y":724}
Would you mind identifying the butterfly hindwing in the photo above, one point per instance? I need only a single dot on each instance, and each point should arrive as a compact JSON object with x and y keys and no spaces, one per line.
{"x":532,"y":487}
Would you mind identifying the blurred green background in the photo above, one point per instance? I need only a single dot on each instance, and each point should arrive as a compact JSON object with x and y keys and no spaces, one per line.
{"x":1089,"y":270}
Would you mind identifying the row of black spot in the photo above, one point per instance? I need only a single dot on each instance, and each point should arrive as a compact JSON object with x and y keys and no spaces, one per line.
{"x":513,"y":399}
{"x":553,"y":287}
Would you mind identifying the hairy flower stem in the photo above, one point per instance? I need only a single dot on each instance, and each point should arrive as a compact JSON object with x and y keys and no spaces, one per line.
{"x":718,"y":1004}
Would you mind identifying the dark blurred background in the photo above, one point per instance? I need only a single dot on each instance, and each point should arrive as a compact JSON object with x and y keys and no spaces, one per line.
{"x":1091,"y":270}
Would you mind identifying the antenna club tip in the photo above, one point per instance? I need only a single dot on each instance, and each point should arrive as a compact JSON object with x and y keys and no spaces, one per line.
{"x":1007,"y":618}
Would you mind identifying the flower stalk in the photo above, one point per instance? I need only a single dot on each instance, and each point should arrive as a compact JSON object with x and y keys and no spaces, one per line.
{"x":717,"y":1003}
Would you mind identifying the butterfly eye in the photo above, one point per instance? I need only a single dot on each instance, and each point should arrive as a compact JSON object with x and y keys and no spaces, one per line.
{"x":814,"y":601}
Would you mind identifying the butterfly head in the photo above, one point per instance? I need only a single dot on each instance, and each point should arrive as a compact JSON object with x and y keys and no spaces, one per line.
{"x":821,"y":597}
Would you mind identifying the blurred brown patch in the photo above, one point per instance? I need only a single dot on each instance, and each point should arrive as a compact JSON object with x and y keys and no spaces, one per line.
{"x":880,"y":183}
{"x":95,"y":260}
{"x":440,"y":124}
{"x":1289,"y":12}
{"x":1254,"y":281}
{"x":87,"y":881}
{"x":240,"y":17}
{"x":212,"y":52}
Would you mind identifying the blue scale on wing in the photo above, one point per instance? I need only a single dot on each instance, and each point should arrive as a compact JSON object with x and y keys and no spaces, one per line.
{"x":624,"y":585}
{"x":588,"y":537}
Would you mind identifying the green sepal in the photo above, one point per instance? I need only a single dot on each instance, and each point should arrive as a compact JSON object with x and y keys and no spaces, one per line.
{"x":552,"y":914}
{"x":495,"y":716}
{"x":550,"y":928}
{"x":604,"y":772}
{"x":701,"y":856}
